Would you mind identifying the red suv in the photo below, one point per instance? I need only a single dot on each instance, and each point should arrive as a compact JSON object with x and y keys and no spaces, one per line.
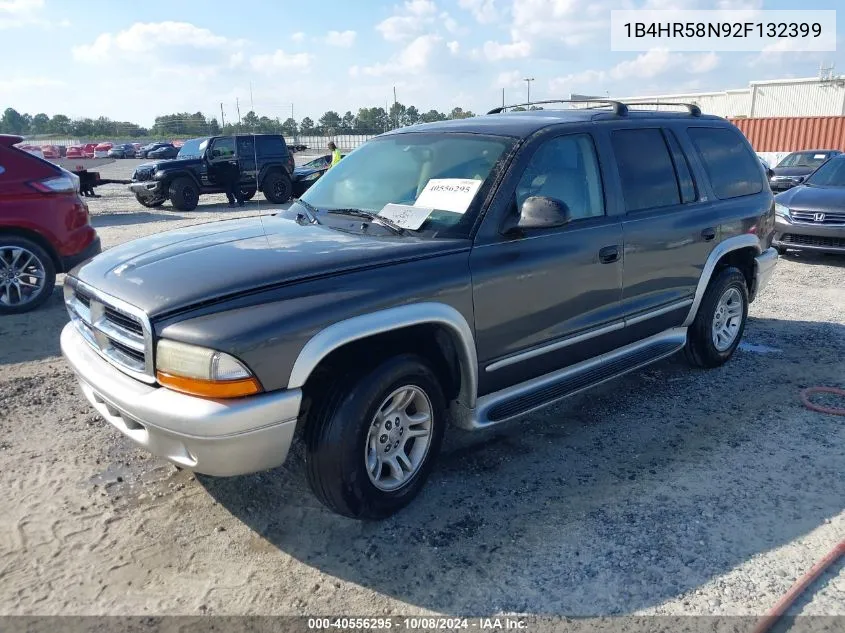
{"x":44,"y":227}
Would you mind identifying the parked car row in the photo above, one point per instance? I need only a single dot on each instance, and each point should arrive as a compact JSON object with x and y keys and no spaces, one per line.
{"x":794,"y":168}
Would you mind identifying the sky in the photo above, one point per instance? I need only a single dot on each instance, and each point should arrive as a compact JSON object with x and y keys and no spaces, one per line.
{"x":133,"y":61}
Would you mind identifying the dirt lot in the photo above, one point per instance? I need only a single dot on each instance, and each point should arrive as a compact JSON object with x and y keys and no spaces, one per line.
{"x":670,"y":491}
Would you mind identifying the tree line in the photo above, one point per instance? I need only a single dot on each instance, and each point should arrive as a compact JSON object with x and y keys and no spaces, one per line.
{"x":185,"y":124}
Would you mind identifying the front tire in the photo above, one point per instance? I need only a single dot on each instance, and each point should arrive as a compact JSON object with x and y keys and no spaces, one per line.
{"x":372,"y":444}
{"x":720,"y":322}
{"x":277,"y":187}
{"x":27,"y":275}
{"x":150,"y":203}
{"x":184,"y":194}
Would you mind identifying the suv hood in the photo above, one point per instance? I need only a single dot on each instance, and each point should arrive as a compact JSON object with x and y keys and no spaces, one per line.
{"x":173,"y":163}
{"x":170,"y":271}
{"x":820,"y":199}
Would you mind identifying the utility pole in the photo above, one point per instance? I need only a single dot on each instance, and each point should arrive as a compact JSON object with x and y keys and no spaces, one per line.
{"x":222,"y":118}
{"x":395,"y":108}
{"x":503,"y":97}
{"x":528,"y":81}
{"x":238,"y":108}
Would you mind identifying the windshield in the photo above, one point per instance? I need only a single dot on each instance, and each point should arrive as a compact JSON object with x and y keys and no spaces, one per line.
{"x":317,"y":163}
{"x":831,"y":174}
{"x":193,"y":148}
{"x":804,"y":159}
{"x":438,"y":179}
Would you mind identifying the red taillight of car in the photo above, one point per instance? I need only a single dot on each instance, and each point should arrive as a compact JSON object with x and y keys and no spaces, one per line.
{"x":58,"y":184}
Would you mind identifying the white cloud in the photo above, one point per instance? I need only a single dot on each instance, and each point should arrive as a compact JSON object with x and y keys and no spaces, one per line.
{"x":484,"y":11}
{"x":341,"y":39}
{"x":566,"y":23}
{"x":646,"y":65}
{"x":149,"y":37}
{"x":454,"y":47}
{"x":16,"y":14}
{"x":298,"y":37}
{"x":704,"y":63}
{"x":409,"y":20}
{"x":414,"y":58}
{"x":494,"y":51}
{"x":280,"y":60}
{"x":19,"y":84}
{"x":509,"y":79}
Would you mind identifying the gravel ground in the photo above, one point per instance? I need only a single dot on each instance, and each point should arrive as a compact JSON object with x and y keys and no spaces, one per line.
{"x":670,"y":491}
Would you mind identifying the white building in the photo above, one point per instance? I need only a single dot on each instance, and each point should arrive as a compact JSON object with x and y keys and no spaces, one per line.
{"x":812,"y":96}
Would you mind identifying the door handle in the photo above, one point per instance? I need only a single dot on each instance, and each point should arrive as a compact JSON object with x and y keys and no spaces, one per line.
{"x":609,"y":254}
{"x":708,"y":234}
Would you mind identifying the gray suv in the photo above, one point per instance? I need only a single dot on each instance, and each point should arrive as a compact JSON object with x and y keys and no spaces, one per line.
{"x":464,"y":272}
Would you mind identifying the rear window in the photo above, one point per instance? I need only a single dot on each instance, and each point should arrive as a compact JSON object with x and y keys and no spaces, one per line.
{"x":271,"y":145}
{"x":733,"y":170}
{"x":645,"y":169}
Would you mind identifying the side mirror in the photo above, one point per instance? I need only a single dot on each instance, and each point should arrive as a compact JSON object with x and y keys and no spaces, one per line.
{"x":540,"y":212}
{"x":770,"y":173}
{"x":802,"y":178}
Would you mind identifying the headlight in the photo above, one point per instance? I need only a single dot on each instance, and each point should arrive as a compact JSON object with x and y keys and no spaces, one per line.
{"x":203,"y":372}
{"x":311,"y":177}
{"x":781,"y":210}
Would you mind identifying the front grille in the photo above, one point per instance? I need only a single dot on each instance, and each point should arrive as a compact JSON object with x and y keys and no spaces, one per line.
{"x":809,"y":217}
{"x":813,"y":240}
{"x":120,"y":333}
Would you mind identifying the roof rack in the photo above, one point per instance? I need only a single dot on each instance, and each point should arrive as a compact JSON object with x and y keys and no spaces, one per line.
{"x":694,"y":110}
{"x":618,"y":107}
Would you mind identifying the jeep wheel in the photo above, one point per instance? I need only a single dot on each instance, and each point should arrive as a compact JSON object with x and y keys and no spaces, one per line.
{"x":27,"y":275}
{"x":371,"y":446}
{"x":720,"y":322}
{"x":150,"y":203}
{"x":248,"y":193}
{"x":276,"y":187}
{"x":184,"y":194}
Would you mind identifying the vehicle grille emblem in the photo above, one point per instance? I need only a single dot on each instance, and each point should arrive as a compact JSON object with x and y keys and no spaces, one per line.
{"x":818,"y":217}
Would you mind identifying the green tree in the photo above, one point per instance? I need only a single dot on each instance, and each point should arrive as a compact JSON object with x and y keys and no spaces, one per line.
{"x":396,"y":115}
{"x":13,"y":122}
{"x":431,"y":116}
{"x":289,"y":127}
{"x":460,"y":113}
{"x":330,"y":122}
{"x":307,"y":126}
{"x":83,"y":127}
{"x":40,"y":124}
{"x":213,"y":127}
{"x":250,"y":121}
{"x":412,"y":116}
{"x":60,"y":124}
{"x":371,"y":121}
{"x":348,"y":121}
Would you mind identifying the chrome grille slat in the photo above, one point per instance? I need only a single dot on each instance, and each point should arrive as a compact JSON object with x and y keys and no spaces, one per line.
{"x":117,"y":331}
{"x":809,"y":217}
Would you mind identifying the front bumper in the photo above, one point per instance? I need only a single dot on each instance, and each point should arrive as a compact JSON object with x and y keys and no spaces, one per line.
{"x":148,"y":189}
{"x":764,"y":266}
{"x":809,"y":237}
{"x":214,"y":437}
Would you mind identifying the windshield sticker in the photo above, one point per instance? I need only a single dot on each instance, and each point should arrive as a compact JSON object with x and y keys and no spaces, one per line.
{"x":448,"y":194}
{"x":818,"y":156}
{"x":405,"y":215}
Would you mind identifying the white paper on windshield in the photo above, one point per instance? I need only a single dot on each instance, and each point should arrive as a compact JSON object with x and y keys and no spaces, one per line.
{"x":405,"y":215}
{"x":448,"y":194}
{"x":818,"y":156}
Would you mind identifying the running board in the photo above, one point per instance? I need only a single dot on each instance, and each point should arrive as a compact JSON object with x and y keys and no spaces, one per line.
{"x":542,"y":391}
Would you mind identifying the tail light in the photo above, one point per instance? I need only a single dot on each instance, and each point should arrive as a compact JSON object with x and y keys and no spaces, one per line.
{"x":58,"y":184}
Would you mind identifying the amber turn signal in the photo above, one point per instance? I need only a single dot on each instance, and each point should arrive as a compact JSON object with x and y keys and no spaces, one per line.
{"x":210,"y":388}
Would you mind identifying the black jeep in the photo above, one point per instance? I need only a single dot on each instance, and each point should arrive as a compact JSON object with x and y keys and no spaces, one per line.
{"x":264,"y":161}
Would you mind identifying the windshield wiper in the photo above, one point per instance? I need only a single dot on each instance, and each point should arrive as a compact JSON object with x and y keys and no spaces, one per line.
{"x":372,"y":217}
{"x":310,"y":211}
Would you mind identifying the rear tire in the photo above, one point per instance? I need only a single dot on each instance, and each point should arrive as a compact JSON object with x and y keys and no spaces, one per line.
{"x":277,"y":187}
{"x":720,"y":322}
{"x":184,"y":194}
{"x":24,"y":264}
{"x":353,"y":447}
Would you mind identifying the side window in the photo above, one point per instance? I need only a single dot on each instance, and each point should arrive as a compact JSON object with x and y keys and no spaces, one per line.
{"x":223,"y":148}
{"x":246,"y":146}
{"x":565,"y":168}
{"x":645,"y":169}
{"x":730,"y":165}
{"x":271,"y":146}
{"x":682,"y":169}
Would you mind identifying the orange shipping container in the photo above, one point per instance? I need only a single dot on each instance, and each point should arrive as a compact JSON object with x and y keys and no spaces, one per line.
{"x":790,"y":134}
